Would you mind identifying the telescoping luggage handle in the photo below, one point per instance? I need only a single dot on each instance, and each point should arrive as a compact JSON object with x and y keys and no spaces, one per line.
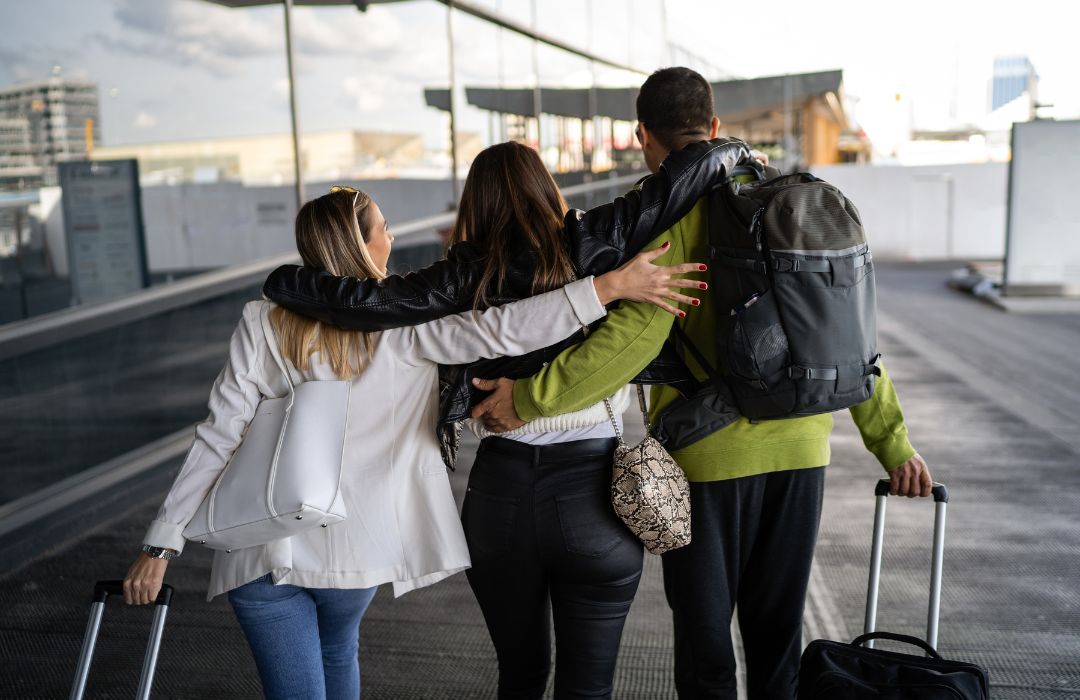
{"x":102,"y":591}
{"x":941,"y":500}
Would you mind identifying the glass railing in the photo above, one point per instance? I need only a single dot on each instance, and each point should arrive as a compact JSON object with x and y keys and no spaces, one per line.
{"x":85,"y":386}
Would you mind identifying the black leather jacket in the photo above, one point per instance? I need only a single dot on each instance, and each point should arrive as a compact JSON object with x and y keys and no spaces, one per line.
{"x":600,"y":240}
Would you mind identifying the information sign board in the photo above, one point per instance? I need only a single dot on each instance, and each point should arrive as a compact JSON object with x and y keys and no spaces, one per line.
{"x":103,"y":226}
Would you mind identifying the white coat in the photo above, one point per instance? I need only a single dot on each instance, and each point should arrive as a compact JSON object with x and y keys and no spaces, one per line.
{"x":402,"y":524}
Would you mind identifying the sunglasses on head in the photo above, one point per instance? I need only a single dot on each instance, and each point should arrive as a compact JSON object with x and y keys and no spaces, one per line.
{"x":345,"y":188}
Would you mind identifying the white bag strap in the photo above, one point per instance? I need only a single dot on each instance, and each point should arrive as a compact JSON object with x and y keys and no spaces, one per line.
{"x":275,"y":351}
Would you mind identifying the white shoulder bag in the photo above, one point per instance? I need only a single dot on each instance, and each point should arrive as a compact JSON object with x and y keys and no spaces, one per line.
{"x":285,"y":476}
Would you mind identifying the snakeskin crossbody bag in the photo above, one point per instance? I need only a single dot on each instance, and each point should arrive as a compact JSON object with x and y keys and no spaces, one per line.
{"x":649,"y":490}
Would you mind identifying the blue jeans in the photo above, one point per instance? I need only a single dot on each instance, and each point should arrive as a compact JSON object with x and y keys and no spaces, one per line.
{"x":305,"y":640}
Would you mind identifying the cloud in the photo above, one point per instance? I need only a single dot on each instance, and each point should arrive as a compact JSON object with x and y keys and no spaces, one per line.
{"x":144,"y":120}
{"x":215,"y":38}
{"x":365,"y":95}
{"x":376,"y":30}
{"x":30,"y":62}
{"x":201,"y":28}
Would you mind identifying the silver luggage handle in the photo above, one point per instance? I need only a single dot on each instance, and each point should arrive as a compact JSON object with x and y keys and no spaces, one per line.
{"x":941,"y":500}
{"x":102,"y":591}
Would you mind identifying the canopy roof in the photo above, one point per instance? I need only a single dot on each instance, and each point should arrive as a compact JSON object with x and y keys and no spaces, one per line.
{"x":736,"y":100}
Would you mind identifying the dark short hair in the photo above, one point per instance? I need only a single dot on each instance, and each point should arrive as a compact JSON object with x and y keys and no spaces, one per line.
{"x":675,"y":102}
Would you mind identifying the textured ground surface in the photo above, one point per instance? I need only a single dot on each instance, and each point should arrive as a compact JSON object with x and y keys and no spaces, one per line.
{"x":991,"y":400}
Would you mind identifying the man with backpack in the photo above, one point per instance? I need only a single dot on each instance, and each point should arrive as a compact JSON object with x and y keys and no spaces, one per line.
{"x":756,"y":484}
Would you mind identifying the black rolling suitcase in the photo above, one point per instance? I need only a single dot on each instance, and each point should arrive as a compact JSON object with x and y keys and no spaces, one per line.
{"x":838,"y":671}
{"x":102,"y":591}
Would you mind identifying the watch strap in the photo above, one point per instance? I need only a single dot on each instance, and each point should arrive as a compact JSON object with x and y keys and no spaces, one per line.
{"x":159,"y":552}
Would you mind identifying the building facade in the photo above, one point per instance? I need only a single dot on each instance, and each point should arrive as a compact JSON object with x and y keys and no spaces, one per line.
{"x":42,"y":124}
{"x":340,"y":154}
{"x":1013,"y":76}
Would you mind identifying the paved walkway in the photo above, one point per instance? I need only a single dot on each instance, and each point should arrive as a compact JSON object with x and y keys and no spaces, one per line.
{"x":991,"y":401}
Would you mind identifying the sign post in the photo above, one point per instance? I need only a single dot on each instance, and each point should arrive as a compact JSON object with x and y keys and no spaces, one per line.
{"x":103,"y":226}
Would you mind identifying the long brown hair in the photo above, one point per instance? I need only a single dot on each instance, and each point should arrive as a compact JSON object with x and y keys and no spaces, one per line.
{"x":508,"y":193}
{"x":331,"y":233}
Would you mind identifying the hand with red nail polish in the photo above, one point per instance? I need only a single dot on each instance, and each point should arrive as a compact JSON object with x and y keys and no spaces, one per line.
{"x":642,"y":280}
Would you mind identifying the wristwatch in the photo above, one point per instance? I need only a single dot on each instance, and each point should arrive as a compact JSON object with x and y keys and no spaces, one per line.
{"x":160,"y":552}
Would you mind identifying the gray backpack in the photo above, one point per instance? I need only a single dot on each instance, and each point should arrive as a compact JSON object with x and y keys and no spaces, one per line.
{"x":792,"y":282}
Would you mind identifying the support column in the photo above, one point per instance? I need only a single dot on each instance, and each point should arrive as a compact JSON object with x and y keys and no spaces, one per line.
{"x":453,"y":89}
{"x":292,"y":106}
{"x":536,"y":89}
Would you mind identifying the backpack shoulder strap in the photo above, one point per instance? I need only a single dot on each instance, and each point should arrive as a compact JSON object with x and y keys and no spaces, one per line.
{"x":684,"y":341}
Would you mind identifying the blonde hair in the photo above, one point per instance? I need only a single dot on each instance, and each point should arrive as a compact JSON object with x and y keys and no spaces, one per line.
{"x":331,"y":234}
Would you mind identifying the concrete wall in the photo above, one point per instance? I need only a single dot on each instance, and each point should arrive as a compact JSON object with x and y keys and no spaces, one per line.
{"x":932,"y":212}
{"x":204,"y":226}
{"x":928,"y":212}
{"x":196,"y":227}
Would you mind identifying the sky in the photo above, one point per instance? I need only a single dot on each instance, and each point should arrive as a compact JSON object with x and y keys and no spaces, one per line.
{"x":186,"y":69}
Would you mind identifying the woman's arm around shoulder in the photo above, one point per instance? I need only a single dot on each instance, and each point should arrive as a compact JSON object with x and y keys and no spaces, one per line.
{"x":605,"y":237}
{"x":513,"y":329}
{"x":539,"y":321}
{"x":438,"y":290}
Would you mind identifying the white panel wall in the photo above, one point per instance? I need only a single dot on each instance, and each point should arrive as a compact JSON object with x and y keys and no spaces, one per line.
{"x":928,"y":212}
{"x":199,"y":226}
{"x":1044,"y":227}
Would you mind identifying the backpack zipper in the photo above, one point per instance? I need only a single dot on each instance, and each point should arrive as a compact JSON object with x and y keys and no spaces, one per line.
{"x":826,"y":692}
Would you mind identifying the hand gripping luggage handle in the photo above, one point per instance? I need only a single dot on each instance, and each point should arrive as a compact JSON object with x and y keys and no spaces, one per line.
{"x":102,"y":591}
{"x":906,"y":639}
{"x":941,"y":500}
{"x":939,"y":492}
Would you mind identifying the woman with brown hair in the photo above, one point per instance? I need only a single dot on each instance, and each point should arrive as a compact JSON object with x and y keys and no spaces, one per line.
{"x":542,"y":535}
{"x":299,"y":600}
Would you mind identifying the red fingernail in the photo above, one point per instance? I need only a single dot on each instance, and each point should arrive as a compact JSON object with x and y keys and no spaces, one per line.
{"x":696,"y":302}
{"x":703,"y":268}
{"x":666,"y":244}
{"x":682,"y":314}
{"x":703,"y":286}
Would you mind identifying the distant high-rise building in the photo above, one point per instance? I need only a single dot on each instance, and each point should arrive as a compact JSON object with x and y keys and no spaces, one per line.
{"x":1013,"y":77}
{"x":42,"y":124}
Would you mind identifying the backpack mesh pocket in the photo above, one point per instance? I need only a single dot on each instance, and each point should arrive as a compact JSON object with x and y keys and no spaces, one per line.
{"x":758,"y":358}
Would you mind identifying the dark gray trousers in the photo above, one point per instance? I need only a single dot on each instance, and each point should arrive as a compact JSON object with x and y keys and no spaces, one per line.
{"x":753,"y":543}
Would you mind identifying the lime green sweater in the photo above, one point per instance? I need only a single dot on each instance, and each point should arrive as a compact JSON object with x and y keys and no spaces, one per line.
{"x":632,"y":336}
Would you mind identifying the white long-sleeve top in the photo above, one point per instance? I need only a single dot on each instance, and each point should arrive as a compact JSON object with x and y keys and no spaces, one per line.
{"x":589,"y":422}
{"x":402,"y":524}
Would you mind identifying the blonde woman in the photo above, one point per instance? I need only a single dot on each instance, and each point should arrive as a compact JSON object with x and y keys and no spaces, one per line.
{"x":300,"y":600}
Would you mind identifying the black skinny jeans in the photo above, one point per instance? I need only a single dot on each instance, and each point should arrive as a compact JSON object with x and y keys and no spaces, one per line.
{"x":546,"y":543}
